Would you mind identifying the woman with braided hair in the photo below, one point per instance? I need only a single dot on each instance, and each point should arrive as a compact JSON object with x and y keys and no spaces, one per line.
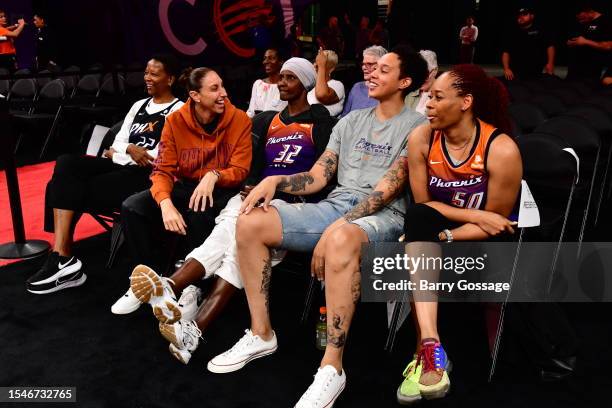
{"x":465,"y":174}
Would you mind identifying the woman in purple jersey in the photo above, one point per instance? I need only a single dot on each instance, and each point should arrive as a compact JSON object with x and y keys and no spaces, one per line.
{"x":287,"y":142}
{"x":465,"y":175}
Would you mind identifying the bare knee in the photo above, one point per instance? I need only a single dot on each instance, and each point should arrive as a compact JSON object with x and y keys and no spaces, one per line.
{"x":344,"y":245}
{"x":247,"y":227}
{"x":258,"y":227}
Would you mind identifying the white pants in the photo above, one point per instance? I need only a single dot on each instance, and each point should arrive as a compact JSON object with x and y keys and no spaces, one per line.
{"x":218,"y":253}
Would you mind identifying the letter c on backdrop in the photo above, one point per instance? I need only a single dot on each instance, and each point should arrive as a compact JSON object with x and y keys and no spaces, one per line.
{"x":187,"y":49}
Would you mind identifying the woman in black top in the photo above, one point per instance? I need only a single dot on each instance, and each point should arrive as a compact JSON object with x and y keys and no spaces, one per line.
{"x":100,"y":184}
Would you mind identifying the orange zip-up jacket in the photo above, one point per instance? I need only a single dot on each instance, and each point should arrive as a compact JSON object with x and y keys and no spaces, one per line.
{"x":187,"y":152}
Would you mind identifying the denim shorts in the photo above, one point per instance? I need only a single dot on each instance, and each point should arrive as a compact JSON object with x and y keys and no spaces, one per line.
{"x":303,"y":223}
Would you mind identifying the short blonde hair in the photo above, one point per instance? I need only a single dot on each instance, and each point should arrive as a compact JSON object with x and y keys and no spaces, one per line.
{"x":332,"y":58}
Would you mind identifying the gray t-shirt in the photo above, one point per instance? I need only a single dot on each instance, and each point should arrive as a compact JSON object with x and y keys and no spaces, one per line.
{"x":367,"y":148}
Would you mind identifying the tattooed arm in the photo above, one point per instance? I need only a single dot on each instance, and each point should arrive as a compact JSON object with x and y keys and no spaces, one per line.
{"x":389,"y":187}
{"x":308,"y":182}
{"x":312,"y":181}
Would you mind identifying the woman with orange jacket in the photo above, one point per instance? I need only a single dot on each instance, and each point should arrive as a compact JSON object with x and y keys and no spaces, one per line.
{"x":204,"y":156}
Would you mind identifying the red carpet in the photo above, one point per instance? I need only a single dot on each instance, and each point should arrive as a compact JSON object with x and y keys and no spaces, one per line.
{"x":32,"y":183}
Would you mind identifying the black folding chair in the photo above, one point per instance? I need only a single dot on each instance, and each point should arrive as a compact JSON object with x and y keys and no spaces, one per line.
{"x":527,"y":116}
{"x":567,"y":95}
{"x":549,"y":104}
{"x":602,"y":123}
{"x":518,"y":91}
{"x":43,"y":78}
{"x":585,"y":140}
{"x":550,"y":185}
{"x":46,"y":110}
{"x":22,"y":95}
{"x":107,"y":105}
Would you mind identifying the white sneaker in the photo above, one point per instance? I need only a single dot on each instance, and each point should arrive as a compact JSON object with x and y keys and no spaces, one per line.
{"x":248,"y":348}
{"x":324,"y":390}
{"x":127,"y":303}
{"x":189,"y":302}
{"x":149,"y":287}
{"x":184,"y":337}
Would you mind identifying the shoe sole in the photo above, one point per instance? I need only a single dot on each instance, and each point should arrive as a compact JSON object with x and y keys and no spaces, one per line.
{"x":148,"y":288}
{"x":178,"y":355}
{"x":167,"y":331}
{"x":217,"y":369}
{"x":66,"y":285}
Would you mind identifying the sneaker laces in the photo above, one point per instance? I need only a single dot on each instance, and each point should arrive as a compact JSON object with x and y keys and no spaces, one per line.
{"x":322,"y":380}
{"x":189,"y":295}
{"x":412,"y":365}
{"x":167,"y":287}
{"x":191,"y":332}
{"x":243,"y":343}
{"x":428,"y":357}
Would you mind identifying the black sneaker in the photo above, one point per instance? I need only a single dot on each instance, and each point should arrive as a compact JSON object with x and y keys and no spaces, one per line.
{"x":57,"y":273}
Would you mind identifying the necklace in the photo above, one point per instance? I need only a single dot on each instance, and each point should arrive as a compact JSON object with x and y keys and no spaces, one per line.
{"x":461,"y":148}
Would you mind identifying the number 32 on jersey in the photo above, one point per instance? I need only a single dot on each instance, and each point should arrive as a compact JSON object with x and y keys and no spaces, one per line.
{"x":287,"y":155}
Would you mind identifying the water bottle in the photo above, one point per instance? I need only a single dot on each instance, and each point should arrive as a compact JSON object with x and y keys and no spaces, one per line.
{"x":321,"y":337}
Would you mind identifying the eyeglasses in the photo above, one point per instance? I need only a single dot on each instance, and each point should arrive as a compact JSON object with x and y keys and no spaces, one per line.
{"x":371,"y":65}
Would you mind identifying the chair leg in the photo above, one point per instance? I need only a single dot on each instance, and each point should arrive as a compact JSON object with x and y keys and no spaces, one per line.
{"x":117,"y":240}
{"x":308,"y":301}
{"x":604,"y":183}
{"x":18,"y":142}
{"x":397,"y":311}
{"x":50,"y":134}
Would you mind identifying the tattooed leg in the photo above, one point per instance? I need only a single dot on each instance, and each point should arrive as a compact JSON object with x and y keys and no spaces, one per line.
{"x":255,"y":234}
{"x":342,"y":288}
{"x":266,"y":276}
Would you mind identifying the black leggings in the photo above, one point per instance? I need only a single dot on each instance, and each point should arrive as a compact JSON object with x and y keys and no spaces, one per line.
{"x":91,"y":184}
{"x":423,"y":223}
{"x":143,"y":224}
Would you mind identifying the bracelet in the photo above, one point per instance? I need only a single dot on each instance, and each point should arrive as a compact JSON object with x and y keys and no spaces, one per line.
{"x":216,"y":173}
{"x":449,"y":235}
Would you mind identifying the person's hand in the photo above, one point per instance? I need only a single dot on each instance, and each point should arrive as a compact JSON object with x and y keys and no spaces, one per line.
{"x":245,"y":191}
{"x":203,"y":192}
{"x":21,"y":22}
{"x":493,"y":223}
{"x":508,"y":74}
{"x":317,"y":264}
{"x":140,"y":155}
{"x":173,"y":220}
{"x":109,"y":153}
{"x":321,"y":59}
{"x":549,"y":69}
{"x":577,"y":41}
{"x":265,"y":191}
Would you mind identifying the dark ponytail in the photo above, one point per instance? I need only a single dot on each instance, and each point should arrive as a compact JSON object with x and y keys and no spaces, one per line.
{"x":490,"y":95}
{"x":191,"y":78}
